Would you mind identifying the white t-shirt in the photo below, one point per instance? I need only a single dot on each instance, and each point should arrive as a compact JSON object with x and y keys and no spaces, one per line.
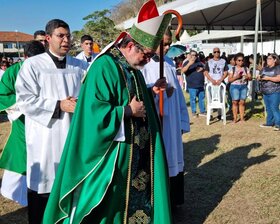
{"x":216,"y":68}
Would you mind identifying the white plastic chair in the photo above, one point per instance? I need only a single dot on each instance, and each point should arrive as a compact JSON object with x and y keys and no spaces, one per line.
{"x":216,"y":100}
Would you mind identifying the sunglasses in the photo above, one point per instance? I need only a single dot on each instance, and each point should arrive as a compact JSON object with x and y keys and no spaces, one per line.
{"x":216,"y":52}
{"x":239,"y":60}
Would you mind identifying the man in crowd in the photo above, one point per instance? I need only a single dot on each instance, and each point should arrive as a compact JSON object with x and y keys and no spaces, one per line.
{"x":114,"y":152}
{"x":13,"y":158}
{"x":87,"y":46}
{"x":216,"y":70}
{"x":47,"y":88}
{"x":175,"y":118}
{"x":40,"y":35}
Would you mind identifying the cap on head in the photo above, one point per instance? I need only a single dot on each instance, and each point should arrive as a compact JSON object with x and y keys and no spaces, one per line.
{"x":150,"y":26}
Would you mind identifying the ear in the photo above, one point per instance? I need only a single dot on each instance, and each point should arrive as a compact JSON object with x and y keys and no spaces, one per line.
{"x":130,"y":45}
{"x":48,"y":38}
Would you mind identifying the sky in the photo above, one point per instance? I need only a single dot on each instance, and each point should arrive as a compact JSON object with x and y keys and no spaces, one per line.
{"x":27,"y":16}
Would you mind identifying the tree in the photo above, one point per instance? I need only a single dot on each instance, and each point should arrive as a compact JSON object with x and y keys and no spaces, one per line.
{"x":100,"y":27}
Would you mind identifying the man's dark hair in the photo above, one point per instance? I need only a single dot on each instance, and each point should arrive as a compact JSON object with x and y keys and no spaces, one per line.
{"x":125,"y":41}
{"x":54,"y":24}
{"x":86,"y":37}
{"x":39,"y":32}
{"x":33,"y":48}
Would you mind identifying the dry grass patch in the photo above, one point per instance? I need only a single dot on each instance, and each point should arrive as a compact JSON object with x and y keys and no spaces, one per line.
{"x":232,"y":174}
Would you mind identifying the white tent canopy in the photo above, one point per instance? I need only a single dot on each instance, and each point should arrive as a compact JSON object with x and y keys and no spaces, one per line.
{"x":228,"y":14}
{"x":184,"y":38}
{"x":182,"y":6}
{"x":220,"y":35}
{"x":221,"y":14}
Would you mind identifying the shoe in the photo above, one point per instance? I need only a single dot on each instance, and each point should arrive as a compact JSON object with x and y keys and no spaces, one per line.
{"x":194,"y":115}
{"x":202,"y":114}
{"x":276,"y":128}
{"x":266,"y":126}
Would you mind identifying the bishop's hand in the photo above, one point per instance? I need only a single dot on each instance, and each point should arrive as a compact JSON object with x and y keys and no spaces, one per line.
{"x":160,"y":85}
{"x":137,"y":108}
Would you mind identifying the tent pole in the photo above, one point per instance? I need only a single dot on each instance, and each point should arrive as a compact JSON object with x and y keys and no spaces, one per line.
{"x":275,"y":37}
{"x":255,"y":47}
{"x":242,"y":43}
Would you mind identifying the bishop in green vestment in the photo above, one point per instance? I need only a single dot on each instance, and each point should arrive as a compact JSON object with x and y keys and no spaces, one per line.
{"x":103,"y":180}
{"x":113,"y":167}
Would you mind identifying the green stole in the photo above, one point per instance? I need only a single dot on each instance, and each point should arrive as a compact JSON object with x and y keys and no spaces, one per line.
{"x":13,"y":157}
{"x":93,"y":180}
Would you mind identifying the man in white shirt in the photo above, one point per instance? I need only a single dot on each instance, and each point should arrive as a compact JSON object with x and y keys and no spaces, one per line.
{"x":87,"y":46}
{"x":216,"y":70}
{"x":47,"y":88}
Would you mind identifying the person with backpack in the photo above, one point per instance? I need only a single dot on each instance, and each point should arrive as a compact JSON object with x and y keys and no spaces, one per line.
{"x":238,"y":77}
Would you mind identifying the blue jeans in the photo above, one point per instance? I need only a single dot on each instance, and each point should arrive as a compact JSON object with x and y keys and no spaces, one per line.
{"x":238,"y":92}
{"x":272,"y":102}
{"x":200,"y":93}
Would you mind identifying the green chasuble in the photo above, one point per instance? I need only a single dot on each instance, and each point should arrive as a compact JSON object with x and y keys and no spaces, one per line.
{"x":13,"y":157}
{"x":100,"y":180}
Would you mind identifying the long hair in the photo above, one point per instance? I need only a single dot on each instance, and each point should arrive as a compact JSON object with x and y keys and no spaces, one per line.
{"x":275,"y":57}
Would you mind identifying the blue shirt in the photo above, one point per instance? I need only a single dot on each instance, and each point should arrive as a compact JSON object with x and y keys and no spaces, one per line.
{"x":194,"y":78}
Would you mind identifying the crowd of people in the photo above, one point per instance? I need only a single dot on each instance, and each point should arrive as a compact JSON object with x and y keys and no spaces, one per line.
{"x":236,"y":72}
{"x":87,"y":142}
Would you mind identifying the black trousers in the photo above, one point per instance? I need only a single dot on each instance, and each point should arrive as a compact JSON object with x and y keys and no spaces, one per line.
{"x":36,"y":206}
{"x":177,"y":189}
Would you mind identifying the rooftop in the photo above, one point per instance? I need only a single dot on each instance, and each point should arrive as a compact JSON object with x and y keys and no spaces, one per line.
{"x":12,"y":36}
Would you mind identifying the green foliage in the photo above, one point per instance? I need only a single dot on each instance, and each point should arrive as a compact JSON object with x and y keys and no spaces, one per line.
{"x":100,"y":27}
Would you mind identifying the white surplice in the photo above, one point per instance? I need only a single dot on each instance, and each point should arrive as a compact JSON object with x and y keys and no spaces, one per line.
{"x":175,"y":118}
{"x":39,"y":86}
{"x":14,"y":187}
{"x":83,"y":57}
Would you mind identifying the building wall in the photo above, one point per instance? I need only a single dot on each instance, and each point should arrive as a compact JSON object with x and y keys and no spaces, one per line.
{"x":12,"y":50}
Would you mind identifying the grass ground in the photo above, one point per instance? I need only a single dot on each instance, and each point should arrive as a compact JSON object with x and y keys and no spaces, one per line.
{"x":232,"y":173}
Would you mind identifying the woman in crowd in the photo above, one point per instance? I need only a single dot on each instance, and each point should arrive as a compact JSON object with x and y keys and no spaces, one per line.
{"x":270,"y":88}
{"x":3,"y":66}
{"x":238,"y":77}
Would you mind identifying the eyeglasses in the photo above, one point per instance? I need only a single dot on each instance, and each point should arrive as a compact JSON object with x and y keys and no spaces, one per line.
{"x":240,"y":60}
{"x":62,"y":35}
{"x":216,"y":52}
{"x":141,"y":49}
